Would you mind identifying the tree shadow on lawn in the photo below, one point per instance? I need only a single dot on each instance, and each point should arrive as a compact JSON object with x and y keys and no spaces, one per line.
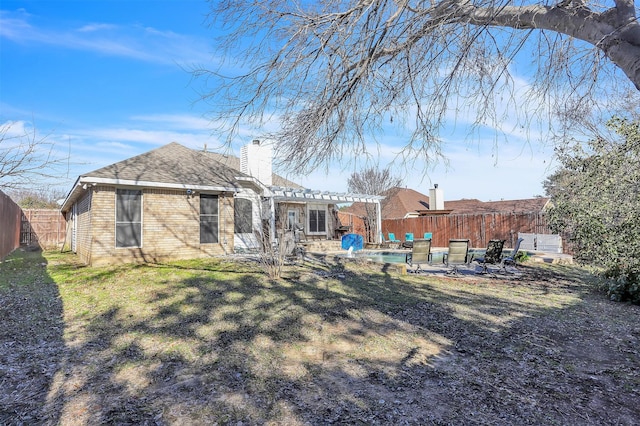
{"x":31,"y":337}
{"x":542,"y":348}
{"x":203,"y":347}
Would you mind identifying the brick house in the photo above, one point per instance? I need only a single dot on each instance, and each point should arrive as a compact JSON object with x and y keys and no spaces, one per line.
{"x":175,"y":203}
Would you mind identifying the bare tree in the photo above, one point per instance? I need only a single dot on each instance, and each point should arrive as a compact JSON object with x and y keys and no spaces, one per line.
{"x":27,"y":160}
{"x":273,"y":251}
{"x":373,"y":181}
{"x":338,"y":71}
{"x":37,"y":198}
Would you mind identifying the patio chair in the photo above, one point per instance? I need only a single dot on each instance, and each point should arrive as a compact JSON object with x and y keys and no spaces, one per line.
{"x":298,"y":233}
{"x":392,"y":242}
{"x":420,"y":254}
{"x":392,"y":238}
{"x":511,"y":259}
{"x":428,"y":235}
{"x":492,"y":256}
{"x":408,"y":240}
{"x":457,"y":255}
{"x":286,"y":245}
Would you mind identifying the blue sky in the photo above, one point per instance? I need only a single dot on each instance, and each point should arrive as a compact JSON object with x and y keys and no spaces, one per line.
{"x":107,"y":80}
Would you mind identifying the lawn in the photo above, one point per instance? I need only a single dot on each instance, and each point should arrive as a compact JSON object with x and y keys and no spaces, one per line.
{"x":216,"y":342}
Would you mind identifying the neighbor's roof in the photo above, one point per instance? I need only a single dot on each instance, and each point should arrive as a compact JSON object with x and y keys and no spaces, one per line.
{"x":234,"y":163}
{"x":473,"y":206}
{"x":170,"y":166}
{"x":400,"y":202}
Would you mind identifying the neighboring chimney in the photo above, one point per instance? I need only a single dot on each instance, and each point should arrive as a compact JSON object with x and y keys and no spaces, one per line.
{"x":436,"y":198}
{"x":255,"y":160}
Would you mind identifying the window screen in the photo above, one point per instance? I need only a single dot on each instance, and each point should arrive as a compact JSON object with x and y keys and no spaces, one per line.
{"x":128,"y":218}
{"x":243,"y":214}
{"x":208,"y":218}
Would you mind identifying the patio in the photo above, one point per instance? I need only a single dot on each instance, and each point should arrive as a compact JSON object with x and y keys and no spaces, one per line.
{"x":394,"y":260}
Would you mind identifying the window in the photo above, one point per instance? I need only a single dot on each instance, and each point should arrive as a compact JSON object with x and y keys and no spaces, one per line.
{"x":317,"y":220}
{"x":243,"y":216}
{"x":208,"y":219}
{"x":128,"y":218}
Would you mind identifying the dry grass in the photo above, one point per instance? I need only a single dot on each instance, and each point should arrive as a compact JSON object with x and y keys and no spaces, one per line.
{"x":206,"y":342}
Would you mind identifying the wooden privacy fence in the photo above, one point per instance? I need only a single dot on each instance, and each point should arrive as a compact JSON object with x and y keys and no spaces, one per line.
{"x":45,"y":227}
{"x":10,"y":218}
{"x":478,"y":228}
{"x":355,"y":223}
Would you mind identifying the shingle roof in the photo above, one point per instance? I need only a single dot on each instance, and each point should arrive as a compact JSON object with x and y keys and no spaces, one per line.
{"x":398,"y":202}
{"x":171,"y":163}
{"x":526,"y":205}
{"x":234,"y":163}
{"x":473,"y":206}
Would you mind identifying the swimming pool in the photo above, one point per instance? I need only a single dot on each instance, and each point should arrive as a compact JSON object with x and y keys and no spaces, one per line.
{"x":399,"y":256}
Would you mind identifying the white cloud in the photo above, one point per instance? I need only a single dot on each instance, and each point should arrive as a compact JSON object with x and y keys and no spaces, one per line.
{"x":96,"y":27}
{"x":515,"y":171}
{"x":151,"y":138}
{"x":182,"y":121}
{"x":135,"y":42}
{"x":474,"y":171}
{"x":15,"y":128}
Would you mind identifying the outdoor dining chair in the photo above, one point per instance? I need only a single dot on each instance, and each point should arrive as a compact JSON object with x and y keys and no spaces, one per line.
{"x":492,"y":256}
{"x":420,"y":254}
{"x":408,"y":240}
{"x":457,"y":255}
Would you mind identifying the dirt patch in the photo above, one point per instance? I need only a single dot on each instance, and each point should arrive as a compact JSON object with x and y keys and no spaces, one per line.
{"x":217,"y":343}
{"x":546,"y":350}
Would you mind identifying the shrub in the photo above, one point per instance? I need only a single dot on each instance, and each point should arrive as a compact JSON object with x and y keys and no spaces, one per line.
{"x":522,"y":256}
{"x":624,"y":285}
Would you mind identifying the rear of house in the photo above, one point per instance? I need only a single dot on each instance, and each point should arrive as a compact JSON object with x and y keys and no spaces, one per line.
{"x":168,"y":203}
{"x":113,"y":224}
{"x":177,"y":203}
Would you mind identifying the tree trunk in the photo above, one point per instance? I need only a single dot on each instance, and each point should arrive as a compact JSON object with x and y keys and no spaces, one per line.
{"x":615,"y":31}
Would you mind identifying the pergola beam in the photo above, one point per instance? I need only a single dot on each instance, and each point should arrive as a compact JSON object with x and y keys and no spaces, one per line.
{"x":295,"y":194}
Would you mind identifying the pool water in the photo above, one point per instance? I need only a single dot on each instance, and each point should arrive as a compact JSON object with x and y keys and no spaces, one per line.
{"x":400,"y":257}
